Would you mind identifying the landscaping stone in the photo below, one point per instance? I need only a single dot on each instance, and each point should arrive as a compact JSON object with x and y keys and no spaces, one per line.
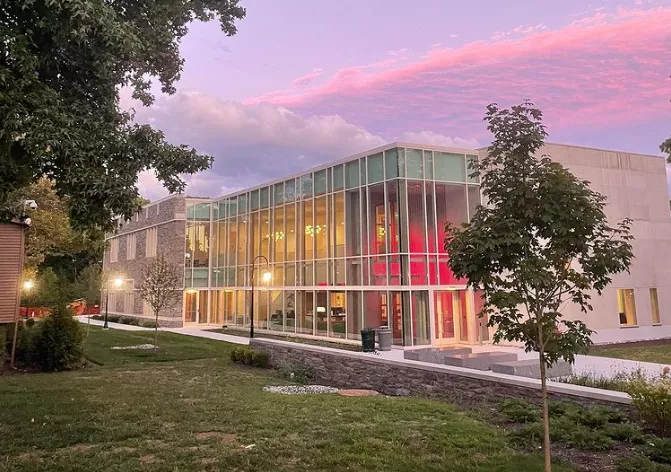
{"x":531,"y":368}
{"x":351,"y":392}
{"x":136,"y":347}
{"x":480,"y":360}
{"x":300,"y":389}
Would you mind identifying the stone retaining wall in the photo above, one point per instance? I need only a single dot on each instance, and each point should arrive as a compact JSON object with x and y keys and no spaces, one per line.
{"x":343,"y":369}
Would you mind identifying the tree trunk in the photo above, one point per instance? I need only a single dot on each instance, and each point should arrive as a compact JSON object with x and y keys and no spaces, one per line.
{"x":546,"y":416}
{"x":156,"y":330}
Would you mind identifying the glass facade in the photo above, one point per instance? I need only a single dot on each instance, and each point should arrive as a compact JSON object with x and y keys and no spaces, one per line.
{"x":358,"y":244}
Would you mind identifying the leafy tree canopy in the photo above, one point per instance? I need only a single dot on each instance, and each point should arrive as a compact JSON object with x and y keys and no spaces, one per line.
{"x":62,"y":66}
{"x":542,"y":240}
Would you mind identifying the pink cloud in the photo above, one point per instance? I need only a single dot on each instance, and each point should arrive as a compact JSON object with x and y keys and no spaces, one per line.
{"x":307,"y":78}
{"x":601,"y":70}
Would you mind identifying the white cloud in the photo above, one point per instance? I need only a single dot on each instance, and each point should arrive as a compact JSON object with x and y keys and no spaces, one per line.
{"x":253,"y":144}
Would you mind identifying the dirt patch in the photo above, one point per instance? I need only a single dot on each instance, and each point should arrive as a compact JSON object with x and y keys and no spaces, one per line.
{"x":29,"y":456}
{"x":357,"y":393}
{"x":292,"y":437}
{"x":125,"y":449}
{"x":224,"y":437}
{"x":82,"y":447}
{"x":148,"y":459}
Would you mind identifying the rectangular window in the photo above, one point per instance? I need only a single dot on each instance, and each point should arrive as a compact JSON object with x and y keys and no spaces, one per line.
{"x":391,"y":163}
{"x":414,"y":163}
{"x":320,"y":182}
{"x":131,"y":244}
{"x":338,"y":178}
{"x":151,"y":242}
{"x":450,"y":167}
{"x":654,"y":306}
{"x":128,"y":300}
{"x":114,"y":250}
{"x":626,"y":306}
{"x":352,"y":171}
{"x":263,"y":197}
{"x":375,"y":168}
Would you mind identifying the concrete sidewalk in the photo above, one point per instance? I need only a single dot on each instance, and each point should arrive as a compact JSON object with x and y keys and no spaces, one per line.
{"x":123,"y":327}
{"x":200,"y":333}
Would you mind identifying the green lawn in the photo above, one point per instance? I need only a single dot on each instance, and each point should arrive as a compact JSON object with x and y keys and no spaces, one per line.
{"x":187,"y":408}
{"x":657,"y":351}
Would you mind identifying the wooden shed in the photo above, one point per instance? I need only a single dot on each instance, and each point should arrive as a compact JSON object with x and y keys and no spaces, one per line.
{"x":11,"y":269}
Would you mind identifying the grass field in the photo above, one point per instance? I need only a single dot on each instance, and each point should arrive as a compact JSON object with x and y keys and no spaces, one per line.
{"x":188,"y":408}
{"x":648,"y":351}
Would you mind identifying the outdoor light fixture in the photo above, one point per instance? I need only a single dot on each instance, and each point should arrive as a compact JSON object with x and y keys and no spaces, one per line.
{"x":28,"y":285}
{"x":267,"y":276}
{"x":118,"y":282}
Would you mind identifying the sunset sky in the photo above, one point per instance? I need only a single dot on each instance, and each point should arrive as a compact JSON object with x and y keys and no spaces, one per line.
{"x":306,"y":82}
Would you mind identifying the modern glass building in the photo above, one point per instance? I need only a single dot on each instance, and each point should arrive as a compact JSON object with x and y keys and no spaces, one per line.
{"x":354,"y":244}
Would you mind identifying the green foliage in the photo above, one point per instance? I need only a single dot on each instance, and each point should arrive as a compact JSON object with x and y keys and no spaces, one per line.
{"x":594,"y":428}
{"x":251,"y":357}
{"x":640,"y":464}
{"x":63,"y":66}
{"x":658,"y":450}
{"x":524,"y":249}
{"x":49,"y":290}
{"x":298,"y":372}
{"x":652,"y":400}
{"x":619,"y":382}
{"x":665,"y":147}
{"x":148,"y":324}
{"x":57,"y":344}
{"x":30,"y":322}
{"x":519,"y":411}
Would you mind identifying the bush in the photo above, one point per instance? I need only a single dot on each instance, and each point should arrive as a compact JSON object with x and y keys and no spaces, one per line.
{"x":57,"y":341}
{"x":148,"y":324}
{"x":113,"y":318}
{"x":659,"y":450}
{"x":248,"y":356}
{"x":297,"y":372}
{"x":519,"y":411}
{"x":30,"y":322}
{"x":652,"y":400}
{"x":640,"y":464}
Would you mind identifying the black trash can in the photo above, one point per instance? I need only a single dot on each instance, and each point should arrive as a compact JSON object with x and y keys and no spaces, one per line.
{"x":368,"y":340}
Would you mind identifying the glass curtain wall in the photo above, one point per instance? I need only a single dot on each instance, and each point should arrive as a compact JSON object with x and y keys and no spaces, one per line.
{"x":358,"y":244}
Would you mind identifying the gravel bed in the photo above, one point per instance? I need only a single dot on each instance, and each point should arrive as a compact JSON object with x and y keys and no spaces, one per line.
{"x":300,"y":389}
{"x":138,"y":346}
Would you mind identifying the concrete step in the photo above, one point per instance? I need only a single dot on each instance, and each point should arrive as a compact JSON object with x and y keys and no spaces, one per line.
{"x":531,"y":368}
{"x":435,"y":355}
{"x":480,"y":360}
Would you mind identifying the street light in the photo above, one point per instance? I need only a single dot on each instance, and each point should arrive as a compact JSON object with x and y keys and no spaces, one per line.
{"x":118,"y":282}
{"x":266,"y":278}
{"x":28,"y":285}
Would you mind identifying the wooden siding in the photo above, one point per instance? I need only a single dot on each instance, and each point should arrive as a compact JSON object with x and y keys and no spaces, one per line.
{"x":11,"y":268}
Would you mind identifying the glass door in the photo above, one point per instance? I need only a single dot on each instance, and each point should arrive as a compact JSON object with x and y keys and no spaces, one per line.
{"x":202,"y":306}
{"x":461,"y":315}
{"x":190,"y":306}
{"x":396,"y":317}
{"x":444,"y":307}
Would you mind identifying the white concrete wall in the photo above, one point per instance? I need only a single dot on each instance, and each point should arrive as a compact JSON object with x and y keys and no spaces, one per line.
{"x":635,"y":187}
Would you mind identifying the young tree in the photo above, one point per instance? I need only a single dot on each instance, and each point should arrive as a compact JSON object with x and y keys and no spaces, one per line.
{"x":62,"y":67}
{"x":541,"y":241}
{"x":160,"y":286}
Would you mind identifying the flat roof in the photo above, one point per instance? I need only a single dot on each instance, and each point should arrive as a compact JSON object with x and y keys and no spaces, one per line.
{"x":385,"y":147}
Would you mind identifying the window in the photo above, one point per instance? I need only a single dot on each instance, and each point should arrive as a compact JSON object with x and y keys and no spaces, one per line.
{"x":147,"y":309}
{"x":654,"y":306}
{"x":114,"y":250}
{"x":626,"y":306}
{"x":131,"y":244}
{"x":151,"y":242}
{"x":128,"y":300}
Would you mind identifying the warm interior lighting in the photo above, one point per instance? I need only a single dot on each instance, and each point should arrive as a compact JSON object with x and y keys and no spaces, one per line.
{"x":267,"y":276}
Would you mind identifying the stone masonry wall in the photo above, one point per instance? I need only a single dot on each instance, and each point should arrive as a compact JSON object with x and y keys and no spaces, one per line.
{"x":168,"y":216}
{"x":396,"y":378}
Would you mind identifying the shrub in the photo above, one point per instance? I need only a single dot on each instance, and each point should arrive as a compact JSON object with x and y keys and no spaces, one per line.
{"x":659,"y":450}
{"x":57,"y":343}
{"x":97,"y":317}
{"x":529,"y":436}
{"x":519,"y":411}
{"x":148,"y":324}
{"x":113,"y":318}
{"x":297,"y":372}
{"x":640,"y":464}
{"x":248,"y":356}
{"x":652,"y":400}
{"x":30,"y":322}
{"x":628,"y":432}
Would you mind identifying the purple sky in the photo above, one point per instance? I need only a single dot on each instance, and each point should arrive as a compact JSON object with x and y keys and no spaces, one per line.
{"x":306,"y":82}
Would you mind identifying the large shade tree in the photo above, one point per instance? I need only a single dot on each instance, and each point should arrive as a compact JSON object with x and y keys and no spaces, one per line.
{"x":61,"y":69}
{"x":541,"y":242}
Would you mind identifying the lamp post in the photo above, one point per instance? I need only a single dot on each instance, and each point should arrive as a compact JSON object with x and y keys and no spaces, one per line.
{"x":266,"y":278}
{"x":27,"y":286}
{"x":118,"y":282}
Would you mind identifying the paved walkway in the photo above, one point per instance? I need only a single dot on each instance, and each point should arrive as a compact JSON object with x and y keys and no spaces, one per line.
{"x":123,"y":327}
{"x":200,"y":333}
